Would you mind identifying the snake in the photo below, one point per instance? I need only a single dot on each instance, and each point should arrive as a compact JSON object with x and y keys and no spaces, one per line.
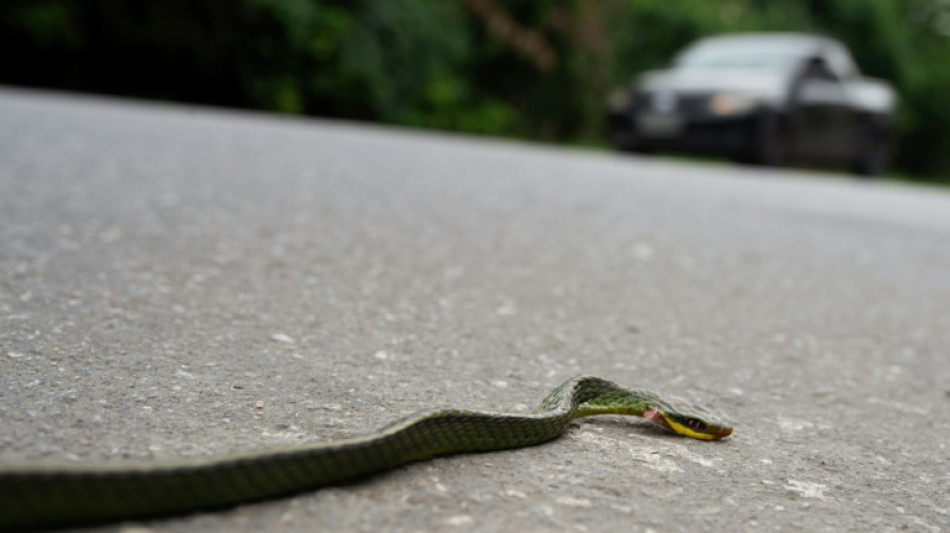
{"x":45,"y":495}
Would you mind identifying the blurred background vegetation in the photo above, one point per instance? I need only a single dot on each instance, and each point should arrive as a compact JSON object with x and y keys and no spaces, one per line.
{"x":536,"y":69}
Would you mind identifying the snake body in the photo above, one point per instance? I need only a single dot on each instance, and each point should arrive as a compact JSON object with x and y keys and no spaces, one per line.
{"x":44,"y":496}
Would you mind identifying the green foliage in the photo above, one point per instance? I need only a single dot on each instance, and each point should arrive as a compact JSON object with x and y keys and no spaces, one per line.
{"x":530,"y":68}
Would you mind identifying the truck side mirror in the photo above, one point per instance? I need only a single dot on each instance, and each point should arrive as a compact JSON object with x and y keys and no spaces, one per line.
{"x":818,"y":69}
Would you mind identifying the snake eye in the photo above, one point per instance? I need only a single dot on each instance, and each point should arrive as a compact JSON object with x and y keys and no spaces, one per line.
{"x":695,"y":425}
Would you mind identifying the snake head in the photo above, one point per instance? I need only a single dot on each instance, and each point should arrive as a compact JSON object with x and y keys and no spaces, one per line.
{"x":684,"y":418}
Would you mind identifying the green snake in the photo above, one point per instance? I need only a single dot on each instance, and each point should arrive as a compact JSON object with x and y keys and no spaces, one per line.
{"x":41,"y":496}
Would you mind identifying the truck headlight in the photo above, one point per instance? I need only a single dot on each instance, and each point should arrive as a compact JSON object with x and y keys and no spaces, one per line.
{"x":726,"y":104}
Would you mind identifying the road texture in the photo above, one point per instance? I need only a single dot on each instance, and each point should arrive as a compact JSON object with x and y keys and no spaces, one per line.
{"x":183,"y":282}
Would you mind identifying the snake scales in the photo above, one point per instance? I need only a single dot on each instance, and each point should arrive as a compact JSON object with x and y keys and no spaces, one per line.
{"x":37,"y":496}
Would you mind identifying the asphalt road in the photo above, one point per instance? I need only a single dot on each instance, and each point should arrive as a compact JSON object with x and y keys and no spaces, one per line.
{"x":180,"y":281}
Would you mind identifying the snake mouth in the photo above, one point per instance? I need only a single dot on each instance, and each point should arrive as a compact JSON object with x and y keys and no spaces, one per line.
{"x":653,"y":415}
{"x":707,"y":432}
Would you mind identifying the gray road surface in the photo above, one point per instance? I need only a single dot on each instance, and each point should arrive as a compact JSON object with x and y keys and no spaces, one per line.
{"x":185,"y":282}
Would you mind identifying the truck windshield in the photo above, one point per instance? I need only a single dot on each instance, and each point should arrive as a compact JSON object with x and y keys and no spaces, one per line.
{"x":737,"y":57}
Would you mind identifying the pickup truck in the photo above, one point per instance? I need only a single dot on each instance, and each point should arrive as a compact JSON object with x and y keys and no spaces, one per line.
{"x":763,"y":98}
